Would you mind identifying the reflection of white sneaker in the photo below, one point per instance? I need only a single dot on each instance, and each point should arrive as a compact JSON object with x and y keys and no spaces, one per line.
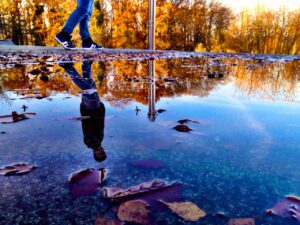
{"x":90,"y":44}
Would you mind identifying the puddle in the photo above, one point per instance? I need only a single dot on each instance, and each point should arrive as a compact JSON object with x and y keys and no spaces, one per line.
{"x":239,"y":156}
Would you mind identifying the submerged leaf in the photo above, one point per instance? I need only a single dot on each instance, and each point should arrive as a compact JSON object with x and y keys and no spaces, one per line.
{"x":103,"y":221}
{"x":186,"y":210}
{"x":16,"y":169}
{"x":242,"y":221}
{"x":80,"y":117}
{"x":161,"y":110}
{"x":182,"y":128}
{"x":86,"y":182}
{"x":133,"y":211}
{"x":288,"y":207}
{"x":187,"y":121}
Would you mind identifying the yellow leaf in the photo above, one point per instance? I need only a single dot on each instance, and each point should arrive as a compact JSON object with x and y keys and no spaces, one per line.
{"x":187,"y":210}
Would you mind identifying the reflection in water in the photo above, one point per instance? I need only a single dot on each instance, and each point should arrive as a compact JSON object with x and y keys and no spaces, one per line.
{"x":240,"y":159}
{"x":91,"y":108}
{"x":151,"y":90}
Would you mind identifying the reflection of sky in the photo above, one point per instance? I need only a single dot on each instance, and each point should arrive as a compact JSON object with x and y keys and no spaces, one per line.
{"x":241,"y":157}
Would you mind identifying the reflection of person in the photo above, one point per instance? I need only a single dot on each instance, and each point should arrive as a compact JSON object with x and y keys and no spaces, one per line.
{"x":81,"y":15}
{"x":92,"y":107}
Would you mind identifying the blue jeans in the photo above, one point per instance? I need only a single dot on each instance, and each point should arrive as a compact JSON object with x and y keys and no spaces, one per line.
{"x":88,"y":101}
{"x":81,"y":15}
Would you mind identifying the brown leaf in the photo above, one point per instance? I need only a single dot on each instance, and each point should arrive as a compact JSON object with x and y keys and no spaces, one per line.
{"x":103,"y":221}
{"x":288,"y":207}
{"x":86,"y":182}
{"x":186,"y":210}
{"x":134,"y":211}
{"x":115,"y":193}
{"x":17,"y":169}
{"x":80,"y":117}
{"x":187,"y":121}
{"x":242,"y":221}
{"x":182,"y":128}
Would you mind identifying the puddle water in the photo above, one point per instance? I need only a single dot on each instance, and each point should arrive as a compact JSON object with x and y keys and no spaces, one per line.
{"x":240,"y":157}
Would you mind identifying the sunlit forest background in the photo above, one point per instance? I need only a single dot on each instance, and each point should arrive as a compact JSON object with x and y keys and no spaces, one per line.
{"x":191,"y":25}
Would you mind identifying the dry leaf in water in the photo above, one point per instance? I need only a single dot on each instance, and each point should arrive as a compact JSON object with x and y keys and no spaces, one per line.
{"x":86,"y":182}
{"x":186,"y":210}
{"x":288,"y":207}
{"x":133,"y":211}
{"x":103,"y":221}
{"x":80,"y":117}
{"x":149,"y":192}
{"x":182,"y":128}
{"x":184,"y":121}
{"x":16,"y":169}
{"x":242,"y":221}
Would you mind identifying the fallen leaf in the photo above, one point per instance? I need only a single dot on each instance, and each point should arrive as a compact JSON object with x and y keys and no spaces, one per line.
{"x":103,"y":221}
{"x":80,"y":117}
{"x":187,"y":121}
{"x":14,"y":117}
{"x":16,"y":169}
{"x":35,"y":72}
{"x":161,"y":110}
{"x":134,"y":211}
{"x":171,"y":79}
{"x":288,"y":207}
{"x":149,"y":164}
{"x":149,"y":192}
{"x":241,"y":221}
{"x":186,"y":210}
{"x":86,"y":182}
{"x":182,"y":128}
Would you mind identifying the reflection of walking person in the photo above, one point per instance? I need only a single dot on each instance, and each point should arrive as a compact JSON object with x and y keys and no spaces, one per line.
{"x":81,"y":15}
{"x":91,"y":107}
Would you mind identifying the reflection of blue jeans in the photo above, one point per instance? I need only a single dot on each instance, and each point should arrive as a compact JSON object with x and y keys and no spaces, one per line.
{"x":86,"y":82}
{"x":81,"y":15}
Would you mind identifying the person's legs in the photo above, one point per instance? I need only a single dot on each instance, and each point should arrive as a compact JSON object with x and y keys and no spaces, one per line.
{"x":82,"y":10}
{"x":84,"y":22}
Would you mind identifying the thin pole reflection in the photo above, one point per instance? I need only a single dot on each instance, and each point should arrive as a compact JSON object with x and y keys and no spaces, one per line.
{"x":151,"y":91}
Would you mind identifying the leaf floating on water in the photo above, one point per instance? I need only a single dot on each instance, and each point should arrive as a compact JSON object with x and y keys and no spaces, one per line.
{"x":182,"y":128}
{"x":242,"y":221}
{"x":35,"y":71}
{"x":17,"y":169}
{"x":161,"y":110}
{"x":86,"y":182}
{"x":103,"y":221}
{"x":187,"y":121}
{"x":170,"y":79}
{"x":149,"y":164}
{"x":150,"y":192}
{"x":288,"y":207}
{"x":134,"y":211}
{"x":14,"y":117}
{"x":80,"y":117}
{"x":186,"y":210}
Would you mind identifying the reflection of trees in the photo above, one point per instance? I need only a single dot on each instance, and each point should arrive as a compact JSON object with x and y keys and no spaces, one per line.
{"x":268,"y":79}
{"x":121,"y":82}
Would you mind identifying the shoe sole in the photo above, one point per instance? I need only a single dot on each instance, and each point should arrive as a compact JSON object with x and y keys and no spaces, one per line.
{"x":62,"y":44}
{"x":91,"y":48}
